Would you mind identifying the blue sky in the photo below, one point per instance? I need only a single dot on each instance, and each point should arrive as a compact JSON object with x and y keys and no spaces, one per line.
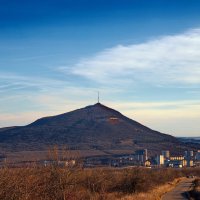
{"x":142,"y":55}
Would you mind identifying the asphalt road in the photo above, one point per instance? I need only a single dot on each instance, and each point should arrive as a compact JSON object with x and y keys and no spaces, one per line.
{"x":180,"y":191}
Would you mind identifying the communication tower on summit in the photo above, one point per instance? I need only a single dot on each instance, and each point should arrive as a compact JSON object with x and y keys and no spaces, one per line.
{"x":98,"y":97}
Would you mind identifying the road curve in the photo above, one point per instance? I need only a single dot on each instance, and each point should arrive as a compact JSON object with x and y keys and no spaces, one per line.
{"x":180,"y":191}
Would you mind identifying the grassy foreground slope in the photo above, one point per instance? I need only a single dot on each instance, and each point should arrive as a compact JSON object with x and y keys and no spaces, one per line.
{"x":55,"y":183}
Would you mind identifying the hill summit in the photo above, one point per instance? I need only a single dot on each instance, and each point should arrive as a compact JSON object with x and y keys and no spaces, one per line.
{"x":93,"y":127}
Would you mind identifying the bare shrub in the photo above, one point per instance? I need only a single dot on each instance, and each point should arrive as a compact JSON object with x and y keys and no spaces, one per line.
{"x":57,"y":183}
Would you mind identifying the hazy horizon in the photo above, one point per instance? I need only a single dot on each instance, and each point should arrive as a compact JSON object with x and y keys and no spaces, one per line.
{"x":142,"y":56}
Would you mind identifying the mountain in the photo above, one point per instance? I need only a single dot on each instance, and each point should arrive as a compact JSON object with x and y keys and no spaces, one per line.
{"x":93,"y":127}
{"x":195,"y":140}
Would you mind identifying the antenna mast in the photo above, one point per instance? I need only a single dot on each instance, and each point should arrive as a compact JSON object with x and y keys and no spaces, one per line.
{"x":98,"y":96}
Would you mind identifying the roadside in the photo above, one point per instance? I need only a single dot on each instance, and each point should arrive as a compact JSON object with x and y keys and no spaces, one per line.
{"x":195,"y":192}
{"x":180,"y":192}
{"x":155,"y":194}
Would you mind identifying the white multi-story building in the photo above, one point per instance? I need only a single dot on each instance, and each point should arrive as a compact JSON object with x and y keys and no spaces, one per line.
{"x":197,"y":156}
{"x":160,"y":159}
{"x":166,"y":154}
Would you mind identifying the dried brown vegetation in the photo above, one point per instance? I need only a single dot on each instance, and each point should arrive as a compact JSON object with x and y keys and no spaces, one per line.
{"x":56,"y":183}
{"x":195,"y":192}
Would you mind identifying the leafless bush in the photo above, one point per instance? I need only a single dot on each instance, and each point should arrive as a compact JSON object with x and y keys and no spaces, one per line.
{"x":56,"y":183}
{"x":195,"y":192}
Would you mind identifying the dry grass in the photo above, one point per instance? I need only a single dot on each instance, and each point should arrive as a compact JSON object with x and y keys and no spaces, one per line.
{"x":195,"y":192}
{"x":55,"y":183}
{"x":154,"y":194}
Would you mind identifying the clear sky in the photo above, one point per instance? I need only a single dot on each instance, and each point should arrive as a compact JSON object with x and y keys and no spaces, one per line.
{"x":142,"y":55}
